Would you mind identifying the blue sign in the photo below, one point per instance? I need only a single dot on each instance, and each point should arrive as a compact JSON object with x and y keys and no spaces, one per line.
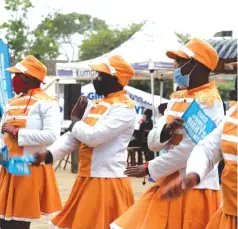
{"x":18,"y":165}
{"x":197,"y":124}
{"x":5,"y":77}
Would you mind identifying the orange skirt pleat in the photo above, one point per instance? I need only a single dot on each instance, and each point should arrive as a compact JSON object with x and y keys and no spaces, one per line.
{"x":190,"y":211}
{"x":94,"y":203}
{"x":25,"y":198}
{"x":221,"y":220}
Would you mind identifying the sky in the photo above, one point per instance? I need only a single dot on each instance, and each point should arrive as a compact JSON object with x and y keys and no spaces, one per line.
{"x":201,"y":18}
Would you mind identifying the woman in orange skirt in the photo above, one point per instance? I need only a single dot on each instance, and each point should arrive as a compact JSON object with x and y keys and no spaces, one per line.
{"x":101,"y":192}
{"x":221,"y":144}
{"x":30,"y":124}
{"x":193,"y":64}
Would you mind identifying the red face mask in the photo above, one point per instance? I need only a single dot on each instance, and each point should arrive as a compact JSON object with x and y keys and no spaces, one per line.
{"x":18,"y":85}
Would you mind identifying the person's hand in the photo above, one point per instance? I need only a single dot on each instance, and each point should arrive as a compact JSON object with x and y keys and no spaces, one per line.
{"x":79,"y":108}
{"x":135,"y":171}
{"x":40,"y":157}
{"x":177,"y":123}
{"x":179,"y":186}
{"x":8,"y":128}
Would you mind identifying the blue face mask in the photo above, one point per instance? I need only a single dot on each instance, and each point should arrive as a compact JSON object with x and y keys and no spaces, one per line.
{"x":180,"y":80}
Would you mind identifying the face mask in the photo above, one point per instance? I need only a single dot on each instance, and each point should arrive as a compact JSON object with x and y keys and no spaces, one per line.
{"x":104,"y":84}
{"x":18,"y":85}
{"x":98,"y":86}
{"x":182,"y":80}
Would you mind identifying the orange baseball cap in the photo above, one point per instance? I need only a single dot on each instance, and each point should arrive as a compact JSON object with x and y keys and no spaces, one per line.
{"x":30,"y":66}
{"x":116,"y":66}
{"x":199,"y":50}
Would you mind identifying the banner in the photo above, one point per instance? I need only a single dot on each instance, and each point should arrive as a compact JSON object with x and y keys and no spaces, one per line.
{"x":5,"y":77}
{"x":143,"y":99}
{"x":197,"y":124}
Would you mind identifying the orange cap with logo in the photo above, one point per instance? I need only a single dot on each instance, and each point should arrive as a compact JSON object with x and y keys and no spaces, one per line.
{"x":199,"y":50}
{"x":116,"y":66}
{"x":30,"y":66}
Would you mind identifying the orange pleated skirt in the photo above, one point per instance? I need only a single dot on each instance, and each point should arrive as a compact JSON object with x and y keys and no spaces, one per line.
{"x":25,"y":198}
{"x":94,"y":203}
{"x":221,"y":220}
{"x":190,"y":211}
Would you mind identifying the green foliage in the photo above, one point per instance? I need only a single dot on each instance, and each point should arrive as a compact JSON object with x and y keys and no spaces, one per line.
{"x":224,"y":90}
{"x":185,"y":38}
{"x":16,"y":28}
{"x":44,"y":47}
{"x":65,"y":25}
{"x":54,"y":31}
{"x":57,"y":30}
{"x":105,"y":40}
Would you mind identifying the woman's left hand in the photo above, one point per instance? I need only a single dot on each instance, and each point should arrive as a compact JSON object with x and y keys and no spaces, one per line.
{"x":8,"y":128}
{"x":179,"y":186}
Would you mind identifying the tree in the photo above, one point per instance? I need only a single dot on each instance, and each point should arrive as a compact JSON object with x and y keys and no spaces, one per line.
{"x":185,"y":38}
{"x":224,"y":90}
{"x":105,"y":40}
{"x":57,"y":30}
{"x":16,"y":28}
{"x":44,"y":46}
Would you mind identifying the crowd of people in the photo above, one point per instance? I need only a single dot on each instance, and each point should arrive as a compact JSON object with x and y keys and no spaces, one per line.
{"x":186,"y":193}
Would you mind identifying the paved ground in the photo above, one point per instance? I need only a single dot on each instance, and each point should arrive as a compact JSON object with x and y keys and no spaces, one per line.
{"x":65,"y":181}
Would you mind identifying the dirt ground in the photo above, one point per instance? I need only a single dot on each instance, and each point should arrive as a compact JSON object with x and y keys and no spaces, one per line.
{"x":65,"y":181}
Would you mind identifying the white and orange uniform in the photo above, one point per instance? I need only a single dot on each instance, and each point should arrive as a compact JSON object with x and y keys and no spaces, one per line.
{"x":25,"y":198}
{"x":190,"y":211}
{"x":101,"y":192}
{"x":220,"y":144}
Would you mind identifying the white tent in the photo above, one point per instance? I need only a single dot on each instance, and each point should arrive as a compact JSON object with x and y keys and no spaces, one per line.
{"x":145,"y":50}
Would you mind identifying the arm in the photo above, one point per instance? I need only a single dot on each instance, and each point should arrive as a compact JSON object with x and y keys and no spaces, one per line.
{"x":154,"y":138}
{"x":114,"y":123}
{"x":162,"y":132}
{"x":50,"y":114}
{"x":202,"y":160}
{"x":171,"y":161}
{"x":206,"y":154}
{"x":64,"y":145}
{"x":177,"y":157}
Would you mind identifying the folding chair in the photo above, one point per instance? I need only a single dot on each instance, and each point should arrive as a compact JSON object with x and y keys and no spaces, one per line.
{"x":66,"y":159}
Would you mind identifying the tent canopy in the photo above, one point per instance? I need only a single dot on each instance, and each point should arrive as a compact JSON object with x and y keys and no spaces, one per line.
{"x":145,"y":50}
